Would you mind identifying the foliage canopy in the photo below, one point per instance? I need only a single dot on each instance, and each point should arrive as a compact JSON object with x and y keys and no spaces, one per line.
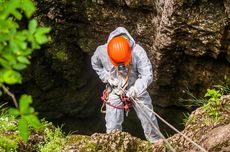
{"x":17,"y":42}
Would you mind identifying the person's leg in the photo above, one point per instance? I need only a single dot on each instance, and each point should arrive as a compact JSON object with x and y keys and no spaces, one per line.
{"x":150,"y":132}
{"x":114,"y":117}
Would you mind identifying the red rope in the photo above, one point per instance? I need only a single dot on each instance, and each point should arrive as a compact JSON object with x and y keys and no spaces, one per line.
{"x":126,"y":101}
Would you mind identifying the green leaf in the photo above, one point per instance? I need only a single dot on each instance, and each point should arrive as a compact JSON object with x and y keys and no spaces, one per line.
{"x":24,"y":102}
{"x":21,"y":36}
{"x":23,"y":129}
{"x":4,"y":25}
{"x":27,"y":52}
{"x":40,"y":36}
{"x":33,"y":25}
{"x":11,"y":77}
{"x":19,"y":66}
{"x":14,"y":46}
{"x":41,"y":39}
{"x":16,"y":14}
{"x":4,"y":63}
{"x":23,"y":59}
{"x":31,"y":110}
{"x":14,"y":112}
{"x":33,"y":121}
{"x":35,"y":45}
{"x":9,"y":56}
{"x":28,"y":7}
{"x":43,"y":30}
{"x":1,"y":76}
{"x":11,"y":6}
{"x":21,"y":44}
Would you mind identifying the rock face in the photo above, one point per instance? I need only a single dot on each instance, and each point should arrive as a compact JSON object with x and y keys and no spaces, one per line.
{"x":187,"y":42}
{"x":114,"y":141}
{"x":200,"y":128}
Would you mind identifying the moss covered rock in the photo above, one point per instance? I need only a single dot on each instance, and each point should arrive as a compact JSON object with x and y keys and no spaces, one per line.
{"x":114,"y":141}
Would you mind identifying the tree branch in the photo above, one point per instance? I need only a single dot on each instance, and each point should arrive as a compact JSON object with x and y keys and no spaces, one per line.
{"x":9,"y":94}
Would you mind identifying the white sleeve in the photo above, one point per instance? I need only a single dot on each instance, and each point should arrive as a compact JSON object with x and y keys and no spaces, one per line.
{"x":145,"y":73}
{"x":98,"y":66}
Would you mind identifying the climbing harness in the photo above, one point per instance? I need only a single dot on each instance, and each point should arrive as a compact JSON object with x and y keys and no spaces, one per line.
{"x":137,"y":103}
{"x":127,"y":103}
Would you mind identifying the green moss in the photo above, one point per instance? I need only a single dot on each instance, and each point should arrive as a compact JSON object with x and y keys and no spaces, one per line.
{"x":61,"y":55}
{"x":87,"y":45}
{"x":8,"y":145}
{"x":59,"y":52}
{"x":89,"y":147}
{"x":80,"y":142}
{"x":7,"y":123}
{"x":54,"y":139}
{"x":45,"y":139}
{"x":72,"y":139}
{"x":227,"y":78}
{"x":8,"y":138}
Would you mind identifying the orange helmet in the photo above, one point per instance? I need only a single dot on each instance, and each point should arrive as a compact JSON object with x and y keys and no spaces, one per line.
{"x":119,"y":51}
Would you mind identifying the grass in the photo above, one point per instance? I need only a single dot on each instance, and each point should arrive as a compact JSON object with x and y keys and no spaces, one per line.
{"x":211,"y":103}
{"x":188,"y":118}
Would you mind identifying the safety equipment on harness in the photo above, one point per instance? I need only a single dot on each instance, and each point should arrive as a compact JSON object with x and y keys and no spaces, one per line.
{"x":127,"y":103}
{"x":119,"y":51}
{"x":132,"y":92}
{"x":113,"y":82}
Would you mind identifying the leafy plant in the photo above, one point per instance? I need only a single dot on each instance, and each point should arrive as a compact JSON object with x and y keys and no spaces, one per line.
{"x":16,"y":45}
{"x":213,"y":105}
{"x":27,"y":117}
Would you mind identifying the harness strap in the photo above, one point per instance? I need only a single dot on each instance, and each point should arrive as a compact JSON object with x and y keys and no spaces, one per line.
{"x":127,"y":102}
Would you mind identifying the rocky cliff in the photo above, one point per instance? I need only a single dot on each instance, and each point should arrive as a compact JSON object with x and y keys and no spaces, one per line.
{"x":186,"y":40}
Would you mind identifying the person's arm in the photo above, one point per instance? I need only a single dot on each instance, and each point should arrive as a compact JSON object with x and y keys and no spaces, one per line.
{"x":145,"y":73}
{"x":98,"y":66}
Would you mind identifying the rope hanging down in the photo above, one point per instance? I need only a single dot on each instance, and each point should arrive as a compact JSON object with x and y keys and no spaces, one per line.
{"x":162,"y":136}
{"x":186,"y":137}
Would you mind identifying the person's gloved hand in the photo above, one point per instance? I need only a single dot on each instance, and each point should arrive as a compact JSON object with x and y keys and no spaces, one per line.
{"x":113,"y":82}
{"x":132,"y":92}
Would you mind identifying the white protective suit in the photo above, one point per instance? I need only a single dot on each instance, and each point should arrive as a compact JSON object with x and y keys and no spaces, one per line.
{"x":140,"y":77}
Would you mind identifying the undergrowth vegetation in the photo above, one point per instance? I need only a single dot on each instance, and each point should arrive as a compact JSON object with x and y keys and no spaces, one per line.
{"x":45,"y":139}
{"x":211,"y":103}
{"x":18,"y":40}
